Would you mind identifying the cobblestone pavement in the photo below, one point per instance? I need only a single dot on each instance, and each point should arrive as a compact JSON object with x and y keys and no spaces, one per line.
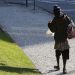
{"x":28,"y":29}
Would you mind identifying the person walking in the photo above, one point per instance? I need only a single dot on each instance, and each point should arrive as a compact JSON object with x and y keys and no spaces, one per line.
{"x":59,"y":26}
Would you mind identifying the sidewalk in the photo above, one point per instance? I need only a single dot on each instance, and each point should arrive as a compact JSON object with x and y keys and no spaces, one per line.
{"x":28,"y":29}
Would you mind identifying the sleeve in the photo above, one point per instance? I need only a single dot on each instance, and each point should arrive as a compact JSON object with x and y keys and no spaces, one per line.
{"x":51,"y":26}
{"x":68,"y":20}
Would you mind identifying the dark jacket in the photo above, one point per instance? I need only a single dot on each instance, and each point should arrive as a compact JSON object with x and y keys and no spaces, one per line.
{"x":59,"y":27}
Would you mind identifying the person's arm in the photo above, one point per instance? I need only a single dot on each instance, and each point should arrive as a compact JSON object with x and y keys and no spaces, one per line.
{"x":51,"y":26}
{"x":68,"y":20}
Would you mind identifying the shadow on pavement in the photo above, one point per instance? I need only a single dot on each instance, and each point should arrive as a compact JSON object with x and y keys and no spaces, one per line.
{"x":68,"y":73}
{"x":51,"y":71}
{"x":60,"y":74}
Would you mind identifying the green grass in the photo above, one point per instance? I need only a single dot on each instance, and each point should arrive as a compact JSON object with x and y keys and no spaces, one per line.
{"x":12,"y":59}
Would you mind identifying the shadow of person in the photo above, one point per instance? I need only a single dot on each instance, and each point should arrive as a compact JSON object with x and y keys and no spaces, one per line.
{"x":60,"y":74}
{"x":18,"y":69}
{"x":52,"y":71}
{"x":70,"y":72}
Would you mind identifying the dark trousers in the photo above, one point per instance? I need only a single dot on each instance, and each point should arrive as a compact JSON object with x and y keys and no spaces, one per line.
{"x":64,"y":53}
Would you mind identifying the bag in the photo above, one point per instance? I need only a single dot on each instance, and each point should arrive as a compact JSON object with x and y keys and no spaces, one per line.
{"x":71,"y":30}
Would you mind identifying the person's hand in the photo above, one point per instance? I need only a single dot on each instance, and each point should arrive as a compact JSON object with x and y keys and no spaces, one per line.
{"x":49,"y":21}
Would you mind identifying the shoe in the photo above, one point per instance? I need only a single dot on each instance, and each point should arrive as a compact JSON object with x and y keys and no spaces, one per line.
{"x":64,"y":71}
{"x":57,"y":68}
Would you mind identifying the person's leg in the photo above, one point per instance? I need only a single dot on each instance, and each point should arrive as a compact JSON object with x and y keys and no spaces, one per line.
{"x":57,"y":59}
{"x":64,"y":65}
{"x":65,"y":55}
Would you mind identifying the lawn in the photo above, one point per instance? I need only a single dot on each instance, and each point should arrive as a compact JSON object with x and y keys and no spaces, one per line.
{"x":12,"y":59}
